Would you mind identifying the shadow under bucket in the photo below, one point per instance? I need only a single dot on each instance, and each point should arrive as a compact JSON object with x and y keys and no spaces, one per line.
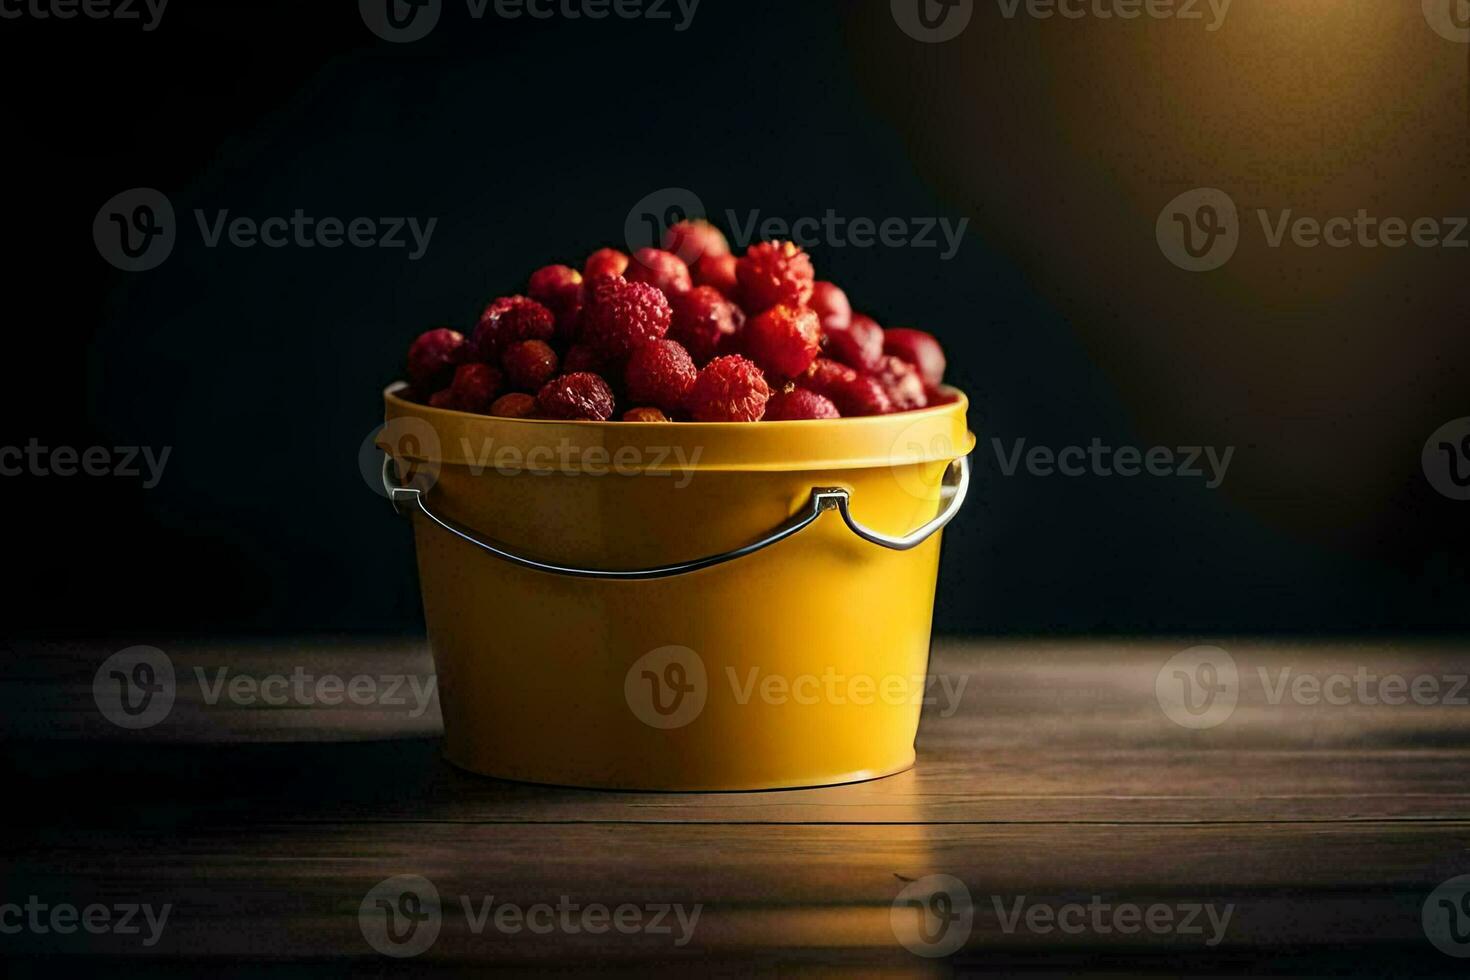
{"x":678,"y":606}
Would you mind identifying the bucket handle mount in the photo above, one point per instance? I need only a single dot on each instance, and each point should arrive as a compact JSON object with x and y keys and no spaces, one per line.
{"x":956,"y":485}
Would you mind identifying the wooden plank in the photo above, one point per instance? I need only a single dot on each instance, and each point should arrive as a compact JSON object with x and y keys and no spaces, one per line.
{"x":408,"y":781}
{"x":773,"y":894}
{"x":1059,"y":780}
{"x":1043,"y":732}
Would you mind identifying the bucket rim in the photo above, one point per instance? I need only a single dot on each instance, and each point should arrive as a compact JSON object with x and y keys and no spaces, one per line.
{"x":936,"y":434}
{"x":393,"y":394}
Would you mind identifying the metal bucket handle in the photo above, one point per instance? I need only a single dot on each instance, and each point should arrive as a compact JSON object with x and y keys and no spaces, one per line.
{"x":956,"y":485}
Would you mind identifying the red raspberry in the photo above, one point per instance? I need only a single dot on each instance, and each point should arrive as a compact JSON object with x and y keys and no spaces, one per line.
{"x":661,"y":374}
{"x":444,"y":399}
{"x":605,"y":262}
{"x":772,"y":273}
{"x":902,"y":384}
{"x":826,"y":375}
{"x":735,"y":343}
{"x":860,"y":346}
{"x":799,"y":403}
{"x":862,"y":396}
{"x":580,"y":358}
{"x":718,"y":271}
{"x":694,"y":239}
{"x":831,"y":306}
{"x":644,"y":415}
{"x":919,"y":349}
{"x":576,"y":397}
{"x":621,"y":316}
{"x":662,"y":269}
{"x":529,"y":364}
{"x":508,"y":320}
{"x":784,"y":340}
{"x":433,"y":357}
{"x":729,"y":389}
{"x":852,"y":393}
{"x":516,"y":405}
{"x":474,"y":386}
{"x":702,"y":320}
{"x":940,"y":396}
{"x":559,"y":289}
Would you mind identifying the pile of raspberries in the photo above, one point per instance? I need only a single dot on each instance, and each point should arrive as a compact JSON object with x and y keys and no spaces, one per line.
{"x":689,"y":332}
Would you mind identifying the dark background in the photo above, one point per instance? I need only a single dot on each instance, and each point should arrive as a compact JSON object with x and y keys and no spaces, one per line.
{"x":530,"y":142}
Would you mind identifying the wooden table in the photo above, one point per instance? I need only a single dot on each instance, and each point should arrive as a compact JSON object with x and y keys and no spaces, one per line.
{"x":1059,"y":787}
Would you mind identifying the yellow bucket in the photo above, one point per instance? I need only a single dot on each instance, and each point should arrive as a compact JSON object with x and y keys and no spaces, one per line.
{"x":678,"y":606}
